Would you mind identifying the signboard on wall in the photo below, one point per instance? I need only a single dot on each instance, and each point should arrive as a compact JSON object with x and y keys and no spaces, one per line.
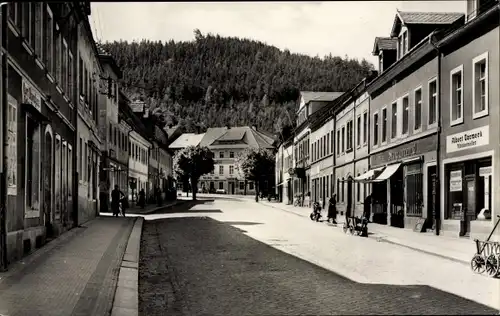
{"x":31,"y":95}
{"x":456,"y":181}
{"x":408,"y":150}
{"x":473,"y":138}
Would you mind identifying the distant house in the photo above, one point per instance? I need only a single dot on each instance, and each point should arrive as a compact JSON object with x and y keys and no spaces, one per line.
{"x":185,"y":140}
{"x":227,"y":143}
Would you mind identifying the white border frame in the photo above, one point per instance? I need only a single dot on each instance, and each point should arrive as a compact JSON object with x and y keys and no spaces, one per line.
{"x":376,"y":145}
{"x":454,"y":71}
{"x":432,"y":80}
{"x":382,"y":142}
{"x":485,"y":112}
{"x":401,"y":132}
{"x":418,"y":130}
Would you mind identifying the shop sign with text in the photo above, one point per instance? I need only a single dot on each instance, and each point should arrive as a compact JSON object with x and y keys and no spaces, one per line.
{"x":405,"y":151}
{"x":473,"y":138}
{"x":456,"y":181}
{"x":31,"y":96}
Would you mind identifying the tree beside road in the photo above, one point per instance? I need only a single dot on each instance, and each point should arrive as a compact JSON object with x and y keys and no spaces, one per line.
{"x":256,"y":164}
{"x":191,"y":163}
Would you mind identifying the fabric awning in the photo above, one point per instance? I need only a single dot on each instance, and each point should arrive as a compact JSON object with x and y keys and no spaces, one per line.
{"x":388,"y":172}
{"x":367,"y":176}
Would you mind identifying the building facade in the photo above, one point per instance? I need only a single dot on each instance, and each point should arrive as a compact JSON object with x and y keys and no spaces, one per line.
{"x":469,"y":147}
{"x":138,"y":162}
{"x":227,"y":143}
{"x":403,"y":110}
{"x":39,"y":97}
{"x":90,"y":141}
{"x":108,"y":122}
{"x":287,"y":187}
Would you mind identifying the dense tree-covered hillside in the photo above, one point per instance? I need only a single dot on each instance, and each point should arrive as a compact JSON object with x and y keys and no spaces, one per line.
{"x":215,"y":81}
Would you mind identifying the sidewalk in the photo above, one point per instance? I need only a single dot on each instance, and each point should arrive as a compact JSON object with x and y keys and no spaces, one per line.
{"x":451,"y":248}
{"x":75,"y":274}
{"x":151,"y":208}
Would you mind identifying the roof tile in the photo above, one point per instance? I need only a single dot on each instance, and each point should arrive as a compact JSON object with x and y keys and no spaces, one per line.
{"x":429,"y":17}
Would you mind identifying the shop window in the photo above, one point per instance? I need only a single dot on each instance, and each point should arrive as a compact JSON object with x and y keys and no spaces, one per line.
{"x":414,"y":190}
{"x":33,"y":141}
{"x":221,"y":185}
{"x":455,"y":193}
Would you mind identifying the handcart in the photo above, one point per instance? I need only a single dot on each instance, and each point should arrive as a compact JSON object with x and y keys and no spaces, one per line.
{"x":356,"y":226}
{"x":487,"y":257}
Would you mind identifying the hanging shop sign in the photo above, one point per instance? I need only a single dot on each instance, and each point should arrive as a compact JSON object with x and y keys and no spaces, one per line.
{"x":473,"y":138}
{"x":31,"y":95}
{"x":456,"y":181}
{"x":405,"y":151}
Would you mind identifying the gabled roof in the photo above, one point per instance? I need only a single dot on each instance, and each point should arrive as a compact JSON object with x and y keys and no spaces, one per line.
{"x":384,"y":43}
{"x":309,"y":96}
{"x":236,"y":137}
{"x":185,"y":140}
{"x":432,"y":18}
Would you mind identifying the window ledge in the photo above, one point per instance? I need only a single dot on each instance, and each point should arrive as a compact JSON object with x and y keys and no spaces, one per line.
{"x":14,"y":28}
{"x":418,"y":130}
{"x":40,"y":63}
{"x":457,"y":122}
{"x":480,"y":114}
{"x":28,"y":48}
{"x":49,"y":76}
{"x":433,"y":125}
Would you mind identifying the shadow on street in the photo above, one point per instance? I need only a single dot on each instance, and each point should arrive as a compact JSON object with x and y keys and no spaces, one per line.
{"x":195,"y":266}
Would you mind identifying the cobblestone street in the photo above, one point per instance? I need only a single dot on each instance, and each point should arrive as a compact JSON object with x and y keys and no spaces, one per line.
{"x":192,"y":264}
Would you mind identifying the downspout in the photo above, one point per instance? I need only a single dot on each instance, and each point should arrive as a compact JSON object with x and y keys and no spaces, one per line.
{"x":437,"y":200}
{"x":3,"y":103}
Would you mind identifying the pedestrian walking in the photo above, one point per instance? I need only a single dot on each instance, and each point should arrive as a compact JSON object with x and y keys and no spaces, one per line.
{"x":367,"y":204}
{"x":332,"y":209}
{"x":142,"y":199}
{"x":116,"y":196}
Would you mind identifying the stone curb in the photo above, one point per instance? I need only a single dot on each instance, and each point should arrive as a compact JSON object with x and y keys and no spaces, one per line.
{"x":383,"y":239}
{"x":168,"y":206}
{"x":126,"y":300}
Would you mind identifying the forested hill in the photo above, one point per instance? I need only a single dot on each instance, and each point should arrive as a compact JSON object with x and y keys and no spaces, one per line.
{"x":215,"y":81}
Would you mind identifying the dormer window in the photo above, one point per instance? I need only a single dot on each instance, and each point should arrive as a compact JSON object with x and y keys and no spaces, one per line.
{"x":381,"y":62}
{"x":403,"y":43}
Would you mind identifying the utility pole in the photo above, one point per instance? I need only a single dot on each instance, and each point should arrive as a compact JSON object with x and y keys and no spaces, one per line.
{"x":3,"y":160}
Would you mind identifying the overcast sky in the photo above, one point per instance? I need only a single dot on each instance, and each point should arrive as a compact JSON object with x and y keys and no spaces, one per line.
{"x":340,"y":28}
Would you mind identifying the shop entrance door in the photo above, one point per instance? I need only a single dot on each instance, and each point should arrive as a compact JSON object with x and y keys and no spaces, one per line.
{"x":432,"y":198}
{"x":231,"y":187}
{"x":470,"y":210}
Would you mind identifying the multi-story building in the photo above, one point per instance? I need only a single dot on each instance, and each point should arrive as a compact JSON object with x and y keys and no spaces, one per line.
{"x":309,"y":103}
{"x":469,"y":147}
{"x":227,"y":143}
{"x":322,"y":140}
{"x":39,"y":97}
{"x":108,"y":122}
{"x":89,"y":142}
{"x":403,"y":110}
